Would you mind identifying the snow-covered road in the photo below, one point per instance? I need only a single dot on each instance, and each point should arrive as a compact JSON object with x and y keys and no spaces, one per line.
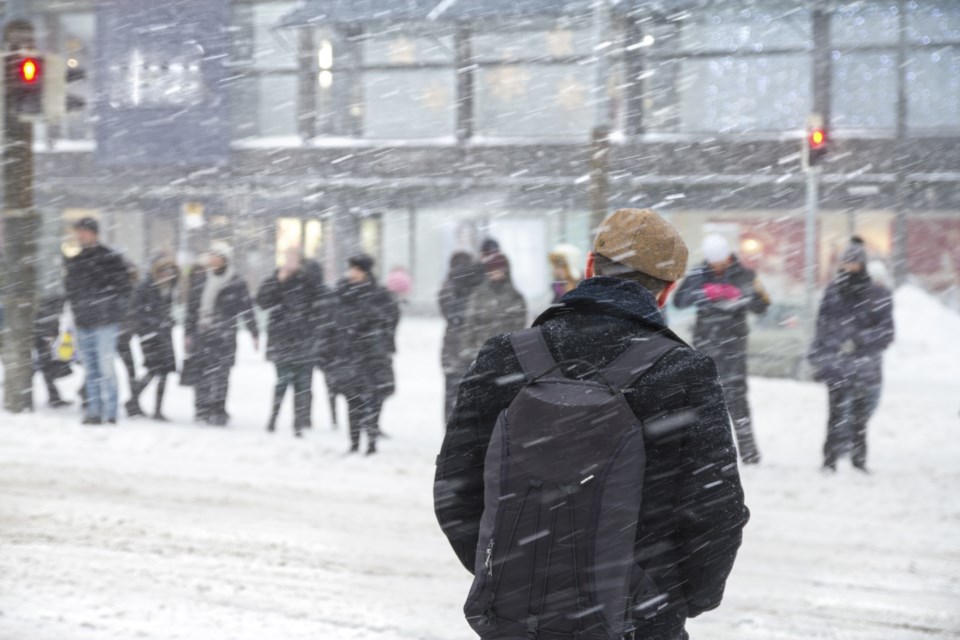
{"x":177,"y":531}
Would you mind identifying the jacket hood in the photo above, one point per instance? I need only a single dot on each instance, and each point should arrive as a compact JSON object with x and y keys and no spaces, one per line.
{"x":612,"y":296}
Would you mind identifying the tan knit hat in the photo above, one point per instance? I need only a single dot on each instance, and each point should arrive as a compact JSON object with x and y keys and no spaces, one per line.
{"x":645,"y":242}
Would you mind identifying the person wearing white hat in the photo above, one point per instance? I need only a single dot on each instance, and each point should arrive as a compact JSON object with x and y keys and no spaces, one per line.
{"x":219,"y":301}
{"x":724,"y":292}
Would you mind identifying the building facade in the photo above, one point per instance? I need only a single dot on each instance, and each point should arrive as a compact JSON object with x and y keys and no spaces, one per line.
{"x":410,"y":129}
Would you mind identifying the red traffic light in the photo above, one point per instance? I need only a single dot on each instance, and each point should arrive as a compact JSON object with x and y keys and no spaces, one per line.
{"x":29,"y":70}
{"x":817,"y":139}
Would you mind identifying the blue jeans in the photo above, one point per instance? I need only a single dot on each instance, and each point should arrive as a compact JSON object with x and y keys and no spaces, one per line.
{"x":98,"y":350}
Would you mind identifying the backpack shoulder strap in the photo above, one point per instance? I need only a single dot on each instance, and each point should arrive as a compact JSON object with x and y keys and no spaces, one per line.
{"x":532,"y":351}
{"x":638,"y":358}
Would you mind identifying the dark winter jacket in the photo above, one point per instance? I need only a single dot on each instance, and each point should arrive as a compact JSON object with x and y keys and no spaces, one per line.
{"x":854,"y":327}
{"x":46,"y":322}
{"x":293,"y":306}
{"x":454,"y":301}
{"x":494,"y":308}
{"x":152,"y":316}
{"x":366,"y":319}
{"x":233,"y":306}
{"x":722,"y":326}
{"x":690,"y":522}
{"x":98,"y":287}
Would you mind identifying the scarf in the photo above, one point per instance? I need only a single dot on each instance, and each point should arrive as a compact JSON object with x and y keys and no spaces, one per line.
{"x":212,"y":287}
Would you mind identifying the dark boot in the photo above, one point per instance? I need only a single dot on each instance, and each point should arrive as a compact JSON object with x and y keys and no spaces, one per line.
{"x":133,"y":408}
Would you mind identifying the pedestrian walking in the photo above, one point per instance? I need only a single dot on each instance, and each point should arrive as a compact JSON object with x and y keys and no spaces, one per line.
{"x":125,"y":338}
{"x":495,"y":305}
{"x":291,"y":298}
{"x":98,"y":287}
{"x":46,"y":331}
{"x":588,"y":476}
{"x":854,"y":327}
{"x":218,"y":302}
{"x":324,"y":335}
{"x":463,"y":278}
{"x":152,"y":317}
{"x":724,"y":292}
{"x":366,"y":320}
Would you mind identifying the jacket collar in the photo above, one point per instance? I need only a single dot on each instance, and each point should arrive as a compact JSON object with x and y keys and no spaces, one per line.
{"x":609,"y":296}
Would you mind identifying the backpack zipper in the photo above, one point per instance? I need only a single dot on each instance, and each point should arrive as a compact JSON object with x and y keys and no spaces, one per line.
{"x":488,"y":562}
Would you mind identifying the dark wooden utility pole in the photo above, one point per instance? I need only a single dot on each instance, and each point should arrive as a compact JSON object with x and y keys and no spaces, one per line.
{"x":20,"y":226}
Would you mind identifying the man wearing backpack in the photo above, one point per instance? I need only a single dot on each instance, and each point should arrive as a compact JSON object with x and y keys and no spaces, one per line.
{"x":588,"y":477}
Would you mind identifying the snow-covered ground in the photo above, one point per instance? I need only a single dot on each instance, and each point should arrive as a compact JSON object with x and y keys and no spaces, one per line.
{"x":176,"y":531}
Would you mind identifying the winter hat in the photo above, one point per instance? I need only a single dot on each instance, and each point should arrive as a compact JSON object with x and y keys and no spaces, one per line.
{"x":489,"y":247}
{"x":88,"y":224}
{"x":362,"y":262}
{"x":222,"y":249}
{"x":496,"y":262}
{"x":643,"y":241}
{"x":854,"y":254}
{"x":715,"y":248}
{"x":160,"y":263}
{"x":567,"y":255}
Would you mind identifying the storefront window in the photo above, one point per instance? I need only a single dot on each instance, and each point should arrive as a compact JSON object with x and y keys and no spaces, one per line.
{"x":865,"y":23}
{"x":729,"y":28}
{"x":864,"y":90}
{"x":264,"y":83}
{"x":409,"y":103}
{"x":534,"y":100}
{"x":930,"y":22}
{"x":933,"y":89}
{"x":535,"y":82}
{"x":264,"y":106}
{"x":756,"y":93}
{"x":729,"y":69}
{"x":407,"y":82}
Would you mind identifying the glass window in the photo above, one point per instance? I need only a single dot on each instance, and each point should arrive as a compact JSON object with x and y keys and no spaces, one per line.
{"x":865,"y":23}
{"x":406,"y":47}
{"x":557,"y":43}
{"x":731,"y":28}
{"x":865,"y":90}
{"x":409,"y":103}
{"x":933,"y":22}
{"x":933,"y":89}
{"x":534,"y":100}
{"x":264,"y":105}
{"x":257,"y":43}
{"x":765,"y":93}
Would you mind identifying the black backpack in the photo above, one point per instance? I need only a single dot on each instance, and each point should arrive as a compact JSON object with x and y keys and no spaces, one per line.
{"x":563,"y":478}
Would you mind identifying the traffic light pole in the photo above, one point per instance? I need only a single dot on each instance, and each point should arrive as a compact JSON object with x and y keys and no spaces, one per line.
{"x":20,"y":226}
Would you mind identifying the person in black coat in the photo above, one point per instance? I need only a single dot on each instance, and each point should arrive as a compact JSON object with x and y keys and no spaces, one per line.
{"x":98,"y":287}
{"x":366,"y":320}
{"x":854,"y":327}
{"x":724,"y":291}
{"x":291,"y":297}
{"x":325,"y":334}
{"x":218,"y":301}
{"x":152,"y":320}
{"x":692,"y":510}
{"x":464,"y":277}
{"x":46,"y":331}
